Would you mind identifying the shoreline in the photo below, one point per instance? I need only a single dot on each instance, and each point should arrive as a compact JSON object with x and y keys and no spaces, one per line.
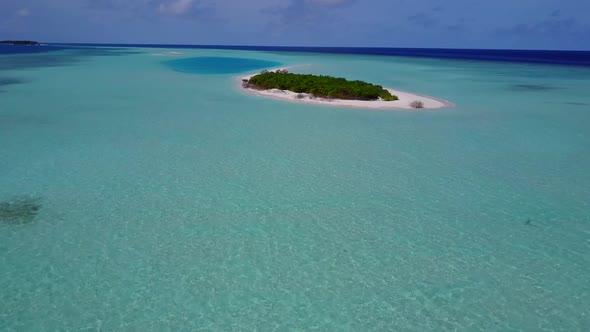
{"x":403,"y":103}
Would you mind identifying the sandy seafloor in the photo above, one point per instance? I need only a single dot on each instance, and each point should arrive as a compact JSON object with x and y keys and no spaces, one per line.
{"x":173,"y":201}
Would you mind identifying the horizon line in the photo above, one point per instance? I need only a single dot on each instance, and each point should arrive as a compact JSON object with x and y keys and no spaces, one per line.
{"x":316,"y":47}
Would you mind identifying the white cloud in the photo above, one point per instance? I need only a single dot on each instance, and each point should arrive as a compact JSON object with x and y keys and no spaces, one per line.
{"x":178,"y":7}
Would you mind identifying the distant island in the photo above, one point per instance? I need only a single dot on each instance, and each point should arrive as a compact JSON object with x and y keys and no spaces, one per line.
{"x":19,"y":42}
{"x":318,"y":86}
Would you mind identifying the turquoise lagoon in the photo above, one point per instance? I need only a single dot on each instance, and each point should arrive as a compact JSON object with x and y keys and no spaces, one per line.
{"x":170,"y":200}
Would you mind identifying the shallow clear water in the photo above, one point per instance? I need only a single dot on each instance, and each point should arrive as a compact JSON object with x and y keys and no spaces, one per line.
{"x":219,"y":65}
{"x":172,"y":201}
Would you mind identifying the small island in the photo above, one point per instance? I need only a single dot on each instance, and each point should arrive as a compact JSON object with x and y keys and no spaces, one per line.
{"x":19,"y":42}
{"x":326,"y":87}
{"x":279,"y":84}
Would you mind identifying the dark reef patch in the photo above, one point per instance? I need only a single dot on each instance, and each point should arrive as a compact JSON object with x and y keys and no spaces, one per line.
{"x":19,"y":211}
{"x":10,"y":81}
{"x":39,"y":60}
{"x":59,"y":57}
{"x":534,"y":87}
{"x":5,"y":81}
{"x":12,"y":58}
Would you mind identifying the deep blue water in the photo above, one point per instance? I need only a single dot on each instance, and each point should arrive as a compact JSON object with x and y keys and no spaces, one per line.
{"x":577,"y":58}
{"x":22,"y":49}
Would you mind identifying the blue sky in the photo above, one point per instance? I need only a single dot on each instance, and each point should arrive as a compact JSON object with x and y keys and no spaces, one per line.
{"x":533,"y":24}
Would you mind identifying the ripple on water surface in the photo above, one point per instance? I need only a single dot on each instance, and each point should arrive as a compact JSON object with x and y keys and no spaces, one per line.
{"x":219,"y":65}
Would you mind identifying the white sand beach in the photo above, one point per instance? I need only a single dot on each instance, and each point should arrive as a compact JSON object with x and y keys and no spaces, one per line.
{"x":404,"y":102}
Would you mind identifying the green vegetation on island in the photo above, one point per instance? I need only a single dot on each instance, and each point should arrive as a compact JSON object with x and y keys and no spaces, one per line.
{"x":318,"y":86}
{"x":19,"y":42}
